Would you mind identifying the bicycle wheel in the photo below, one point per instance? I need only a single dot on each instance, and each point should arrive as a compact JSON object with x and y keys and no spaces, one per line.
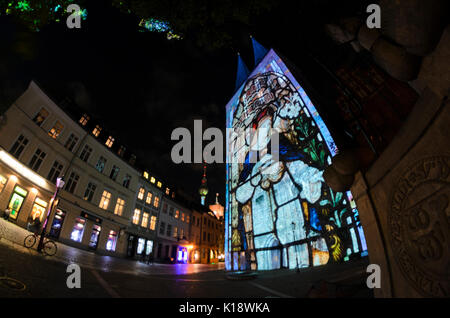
{"x":49,"y":248}
{"x":29,"y":241}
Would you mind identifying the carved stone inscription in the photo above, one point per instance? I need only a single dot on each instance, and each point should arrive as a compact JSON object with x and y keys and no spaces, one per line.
{"x":419,"y":226}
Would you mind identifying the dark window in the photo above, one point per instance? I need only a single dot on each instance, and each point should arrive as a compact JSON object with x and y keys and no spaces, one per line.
{"x":18,"y":146}
{"x":169,"y":230}
{"x":101,"y":164}
{"x":162,"y":228}
{"x":37,"y":159}
{"x":90,"y":190}
{"x":85,"y":153}
{"x":71,"y":142}
{"x":121,"y":151}
{"x":126,"y":181}
{"x":55,"y":171}
{"x":204,"y":236}
{"x":72,"y":182}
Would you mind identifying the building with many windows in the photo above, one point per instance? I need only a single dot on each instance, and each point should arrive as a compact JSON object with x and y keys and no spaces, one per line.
{"x":40,"y":142}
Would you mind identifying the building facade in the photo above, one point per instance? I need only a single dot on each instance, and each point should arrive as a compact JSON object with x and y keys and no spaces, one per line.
{"x":40,"y":142}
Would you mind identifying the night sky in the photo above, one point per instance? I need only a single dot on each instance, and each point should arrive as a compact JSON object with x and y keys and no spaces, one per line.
{"x":142,"y":85}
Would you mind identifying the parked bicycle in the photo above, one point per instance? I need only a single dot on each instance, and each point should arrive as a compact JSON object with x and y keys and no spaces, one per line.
{"x":49,"y":247}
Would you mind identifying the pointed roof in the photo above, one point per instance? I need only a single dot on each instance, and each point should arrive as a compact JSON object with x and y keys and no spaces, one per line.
{"x":242,"y":72}
{"x":259,"y":51}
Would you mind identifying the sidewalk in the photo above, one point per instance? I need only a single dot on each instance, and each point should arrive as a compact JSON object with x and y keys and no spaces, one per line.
{"x":13,"y":236}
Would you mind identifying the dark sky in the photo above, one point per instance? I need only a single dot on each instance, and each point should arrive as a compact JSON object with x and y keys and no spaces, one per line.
{"x":142,"y":85}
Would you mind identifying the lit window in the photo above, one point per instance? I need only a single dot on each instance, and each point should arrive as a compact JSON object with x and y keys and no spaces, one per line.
{"x":175,"y":231}
{"x":182,"y":217}
{"x":37,"y":159}
{"x":101,"y":164}
{"x":56,"y":130}
{"x":156,"y":202}
{"x":109,"y":142}
{"x":18,"y":146}
{"x":187,"y":219}
{"x":173,"y":195}
{"x":111,"y":243}
{"x":72,"y":182}
{"x":71,"y":142}
{"x":97,"y":130}
{"x":104,"y":201}
{"x":78,"y":230}
{"x":40,"y":117}
{"x":181,"y":233}
{"x":144,"y":222}
{"x":136,"y":216}
{"x":85,"y":153}
{"x":159,"y":184}
{"x":90,"y":190}
{"x":119,"y":206}
{"x":148,"y":200}
{"x":177,"y":214}
{"x":152,"y":179}
{"x":114,"y":172}
{"x":152,"y":222}
{"x":167,"y":191}
{"x":84,"y":119}
{"x":38,"y":210}
{"x":2,"y":182}
{"x":141,"y":194}
{"x":145,"y":174}
{"x":121,"y":151}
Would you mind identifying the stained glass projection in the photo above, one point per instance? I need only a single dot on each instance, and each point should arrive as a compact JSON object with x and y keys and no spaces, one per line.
{"x":288,"y":218}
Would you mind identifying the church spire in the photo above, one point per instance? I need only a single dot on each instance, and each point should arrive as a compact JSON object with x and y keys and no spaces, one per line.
{"x":259,"y":51}
{"x":203,"y":190}
{"x":242,"y":72}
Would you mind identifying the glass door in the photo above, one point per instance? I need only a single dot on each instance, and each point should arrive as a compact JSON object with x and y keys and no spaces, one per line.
{"x":58,"y":221}
{"x":94,"y":237}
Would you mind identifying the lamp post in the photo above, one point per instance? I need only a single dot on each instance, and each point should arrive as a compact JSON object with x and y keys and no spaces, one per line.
{"x":59,"y":185}
{"x":295,"y":246}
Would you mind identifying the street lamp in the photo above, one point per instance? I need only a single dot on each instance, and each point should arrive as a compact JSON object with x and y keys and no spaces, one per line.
{"x":59,"y":185}
{"x":295,"y":246}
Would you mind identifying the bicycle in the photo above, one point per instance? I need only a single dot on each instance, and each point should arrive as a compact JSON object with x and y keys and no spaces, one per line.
{"x":49,"y":247}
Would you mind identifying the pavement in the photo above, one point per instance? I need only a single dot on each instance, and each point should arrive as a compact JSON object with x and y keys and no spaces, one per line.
{"x":27,"y":273}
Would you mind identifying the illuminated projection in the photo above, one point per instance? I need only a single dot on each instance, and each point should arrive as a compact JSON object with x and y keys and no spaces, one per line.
{"x":289,"y":218}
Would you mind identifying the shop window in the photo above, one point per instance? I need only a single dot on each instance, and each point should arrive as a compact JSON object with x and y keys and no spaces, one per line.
{"x":141,"y":194}
{"x":114,"y":172}
{"x":109,"y":142}
{"x":148,"y":200}
{"x":136,"y":216}
{"x":18,"y":146}
{"x":119,"y":206}
{"x":2,"y":182}
{"x":72,"y":182}
{"x":71,"y":142}
{"x":16,"y":201}
{"x":152,"y":222}
{"x":156,"y":202}
{"x":148,"y":247}
{"x":85,"y":154}
{"x":100,"y":166}
{"x":84,"y":119}
{"x":90,"y":190}
{"x":144,"y":222}
{"x":39,"y":209}
{"x":104,"y":201}
{"x":78,"y":230}
{"x":112,"y":240}
{"x":40,"y":117}
{"x":141,"y":246}
{"x":97,"y":130}
{"x":56,"y":130}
